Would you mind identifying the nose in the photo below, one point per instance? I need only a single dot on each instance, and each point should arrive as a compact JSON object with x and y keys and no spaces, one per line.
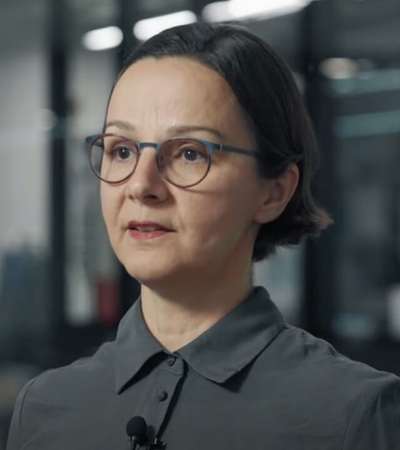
{"x":146,"y":183}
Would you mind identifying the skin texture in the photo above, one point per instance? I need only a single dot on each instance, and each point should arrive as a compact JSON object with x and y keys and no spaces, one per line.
{"x":201,"y":269}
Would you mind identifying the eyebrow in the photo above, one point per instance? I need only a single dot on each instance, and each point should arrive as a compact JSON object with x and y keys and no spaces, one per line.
{"x":180,"y":129}
{"x":190,"y":128}
{"x":124,"y":125}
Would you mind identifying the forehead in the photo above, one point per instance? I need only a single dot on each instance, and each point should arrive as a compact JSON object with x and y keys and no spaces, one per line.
{"x":173,"y":87}
{"x":177,"y":72}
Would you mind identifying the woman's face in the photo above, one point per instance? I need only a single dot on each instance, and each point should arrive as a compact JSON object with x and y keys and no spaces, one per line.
{"x":208,"y":230}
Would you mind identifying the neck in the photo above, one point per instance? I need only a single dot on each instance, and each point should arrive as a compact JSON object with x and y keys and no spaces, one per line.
{"x":179,"y":316}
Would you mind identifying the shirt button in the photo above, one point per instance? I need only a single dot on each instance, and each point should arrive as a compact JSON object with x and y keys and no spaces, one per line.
{"x":171,"y":360}
{"x":163,"y":395}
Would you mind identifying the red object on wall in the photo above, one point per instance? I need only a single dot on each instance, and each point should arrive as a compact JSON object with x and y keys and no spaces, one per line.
{"x":108,"y":304}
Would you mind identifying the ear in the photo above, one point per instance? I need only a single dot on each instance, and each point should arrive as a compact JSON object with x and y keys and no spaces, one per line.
{"x":277,"y":194}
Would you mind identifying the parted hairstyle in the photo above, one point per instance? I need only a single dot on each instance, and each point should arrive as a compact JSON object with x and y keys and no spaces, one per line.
{"x":273,"y":106}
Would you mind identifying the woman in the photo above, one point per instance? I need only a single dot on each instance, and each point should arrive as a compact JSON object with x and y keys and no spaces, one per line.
{"x":206,"y":160}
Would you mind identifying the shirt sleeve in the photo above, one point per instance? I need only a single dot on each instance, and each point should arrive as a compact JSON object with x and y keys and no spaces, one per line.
{"x":375,"y":423}
{"x":14,"y":441}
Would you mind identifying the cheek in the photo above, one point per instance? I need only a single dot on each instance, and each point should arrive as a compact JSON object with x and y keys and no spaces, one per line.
{"x":218,"y":216}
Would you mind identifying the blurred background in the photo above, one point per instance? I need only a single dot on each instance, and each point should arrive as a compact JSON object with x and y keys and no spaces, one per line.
{"x":62,"y":292}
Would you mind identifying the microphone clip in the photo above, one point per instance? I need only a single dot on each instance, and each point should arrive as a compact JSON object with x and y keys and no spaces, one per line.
{"x":157,"y":444}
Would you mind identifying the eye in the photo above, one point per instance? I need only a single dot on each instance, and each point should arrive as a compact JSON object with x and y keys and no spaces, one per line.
{"x":122,"y":152}
{"x":193,"y":154}
{"x":184,"y":152}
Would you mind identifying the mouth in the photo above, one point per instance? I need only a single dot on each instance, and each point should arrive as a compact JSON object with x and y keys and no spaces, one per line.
{"x":147,"y":231}
{"x":146,"y":227}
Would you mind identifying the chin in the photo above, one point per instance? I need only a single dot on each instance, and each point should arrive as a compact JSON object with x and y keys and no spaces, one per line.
{"x":150,"y":273}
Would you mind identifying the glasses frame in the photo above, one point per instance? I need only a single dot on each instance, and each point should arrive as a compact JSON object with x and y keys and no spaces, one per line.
{"x":211,"y":146}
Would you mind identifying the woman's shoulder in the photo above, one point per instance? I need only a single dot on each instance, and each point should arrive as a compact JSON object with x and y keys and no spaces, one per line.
{"x":317,"y":364}
{"x":311,"y":352}
{"x":67,"y":384}
{"x":55,"y":394}
{"x":325,"y":390}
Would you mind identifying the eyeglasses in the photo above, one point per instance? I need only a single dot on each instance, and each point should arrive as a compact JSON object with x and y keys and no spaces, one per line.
{"x":183,"y":162}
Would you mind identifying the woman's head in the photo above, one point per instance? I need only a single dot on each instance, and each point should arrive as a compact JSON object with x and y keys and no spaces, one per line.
{"x":273,"y":108}
{"x":215,"y":83}
{"x":161,"y":232}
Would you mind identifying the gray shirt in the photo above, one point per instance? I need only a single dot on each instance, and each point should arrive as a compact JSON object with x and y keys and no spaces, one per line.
{"x":250,"y":382}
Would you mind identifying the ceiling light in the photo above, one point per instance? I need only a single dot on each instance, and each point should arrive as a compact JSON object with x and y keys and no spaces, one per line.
{"x":244,"y":9}
{"x":146,"y":28}
{"x":338,"y":68}
{"x":102,"y":39}
{"x":216,"y":12}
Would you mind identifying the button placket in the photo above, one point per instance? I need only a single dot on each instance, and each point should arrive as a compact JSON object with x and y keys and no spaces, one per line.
{"x":155,"y":404}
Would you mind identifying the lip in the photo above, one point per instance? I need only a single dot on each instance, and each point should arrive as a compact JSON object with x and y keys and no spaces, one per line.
{"x":156,"y":230}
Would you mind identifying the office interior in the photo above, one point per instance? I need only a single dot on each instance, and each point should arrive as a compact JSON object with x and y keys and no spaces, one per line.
{"x":62,"y":292}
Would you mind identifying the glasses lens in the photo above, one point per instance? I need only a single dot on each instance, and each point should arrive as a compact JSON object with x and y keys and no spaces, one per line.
{"x":184,"y":162}
{"x":113,"y":158}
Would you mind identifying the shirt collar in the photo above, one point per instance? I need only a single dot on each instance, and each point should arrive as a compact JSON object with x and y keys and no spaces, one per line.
{"x":219,"y":353}
{"x":135,"y":345}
